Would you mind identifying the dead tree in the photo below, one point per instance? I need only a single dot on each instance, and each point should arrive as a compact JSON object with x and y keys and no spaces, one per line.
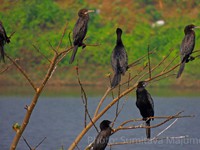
{"x":147,"y":73}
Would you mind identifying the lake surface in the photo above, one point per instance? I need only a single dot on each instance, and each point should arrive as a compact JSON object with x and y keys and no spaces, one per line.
{"x":61,"y":118}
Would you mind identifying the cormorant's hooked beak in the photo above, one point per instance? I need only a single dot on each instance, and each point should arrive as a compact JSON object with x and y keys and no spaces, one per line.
{"x":196,"y":27}
{"x":89,"y":11}
{"x":145,"y":83}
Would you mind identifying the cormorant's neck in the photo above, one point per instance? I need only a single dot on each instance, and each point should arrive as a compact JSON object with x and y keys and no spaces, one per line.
{"x":119,"y":40}
{"x":140,"y":89}
{"x":85,"y":17}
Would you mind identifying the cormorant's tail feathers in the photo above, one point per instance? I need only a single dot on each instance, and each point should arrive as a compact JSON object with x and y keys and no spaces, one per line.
{"x":148,"y":130}
{"x":73,"y":54}
{"x":2,"y":53}
{"x":182,"y":66}
{"x":116,"y":80}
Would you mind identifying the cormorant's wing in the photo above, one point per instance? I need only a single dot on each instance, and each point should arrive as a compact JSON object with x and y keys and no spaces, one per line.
{"x":2,"y":53}
{"x":187,"y":45}
{"x":3,"y":32}
{"x":80,"y":30}
{"x":101,"y":140}
{"x":123,"y":60}
{"x":150,"y":99}
{"x":119,"y":59}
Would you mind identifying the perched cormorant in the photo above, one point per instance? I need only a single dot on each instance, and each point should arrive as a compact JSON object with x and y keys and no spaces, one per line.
{"x":102,"y":138}
{"x":3,"y":39}
{"x":119,"y":60}
{"x":79,"y":31}
{"x":145,"y":104}
{"x":187,"y":47}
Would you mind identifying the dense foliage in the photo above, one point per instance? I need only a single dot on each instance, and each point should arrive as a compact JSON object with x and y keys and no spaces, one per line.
{"x":42,"y":22}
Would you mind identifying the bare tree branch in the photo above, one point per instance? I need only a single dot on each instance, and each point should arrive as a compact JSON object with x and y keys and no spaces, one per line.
{"x":38,"y":50}
{"x":165,"y":128}
{"x":53,"y":48}
{"x":149,"y":62}
{"x":169,"y":64}
{"x":27,"y":143}
{"x":40,"y":143}
{"x":84,"y":100}
{"x":31,"y":107}
{"x":139,"y":59}
{"x":69,"y":36}
{"x":101,"y":101}
{"x":61,"y":39}
{"x":98,"y":115}
{"x":7,"y":67}
{"x":22,"y":72}
{"x":167,"y":118}
{"x":11,"y":34}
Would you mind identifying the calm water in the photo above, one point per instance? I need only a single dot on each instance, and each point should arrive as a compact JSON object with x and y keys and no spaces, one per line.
{"x":60,"y":119}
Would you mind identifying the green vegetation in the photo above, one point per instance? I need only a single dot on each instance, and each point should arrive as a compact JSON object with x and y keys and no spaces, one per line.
{"x":42,"y":22}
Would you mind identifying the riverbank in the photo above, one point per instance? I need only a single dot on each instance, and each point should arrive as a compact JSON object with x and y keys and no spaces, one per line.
{"x":90,"y":76}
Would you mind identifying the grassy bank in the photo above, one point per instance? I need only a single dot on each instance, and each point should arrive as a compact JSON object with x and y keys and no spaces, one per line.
{"x":40,"y":23}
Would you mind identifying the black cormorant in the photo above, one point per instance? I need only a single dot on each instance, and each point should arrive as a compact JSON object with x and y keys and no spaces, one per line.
{"x":119,"y":60}
{"x":79,"y":31}
{"x":187,"y":47}
{"x":3,"y":39}
{"x":145,"y":104}
{"x":102,"y":138}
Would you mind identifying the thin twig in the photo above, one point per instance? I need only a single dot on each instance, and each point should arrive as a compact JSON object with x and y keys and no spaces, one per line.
{"x":101,"y":101}
{"x":27,"y":143}
{"x":166,"y":76}
{"x":144,"y":126}
{"x":40,"y":143}
{"x":63,"y":34}
{"x":38,"y":50}
{"x":63,"y":53}
{"x":197,"y":56}
{"x":158,"y":65}
{"x":69,"y":36}
{"x":93,"y":44}
{"x":84,"y":100}
{"x":139,"y":59}
{"x":140,"y":71}
{"x":149,"y":62}
{"x":161,"y":62}
{"x":7,"y":67}
{"x":83,"y":95}
{"x":119,"y":110}
{"x":77,"y":147}
{"x":196,"y":51}
{"x":165,"y":129}
{"x":169,"y":64}
{"x":53,"y":48}
{"x":110,"y":80}
{"x":11,"y":34}
{"x":4,"y":70}
{"x":22,"y":71}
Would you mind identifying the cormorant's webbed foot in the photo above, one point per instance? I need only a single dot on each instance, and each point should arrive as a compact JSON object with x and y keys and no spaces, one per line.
{"x":191,"y":58}
{"x":144,"y":119}
{"x":83,"y":45}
